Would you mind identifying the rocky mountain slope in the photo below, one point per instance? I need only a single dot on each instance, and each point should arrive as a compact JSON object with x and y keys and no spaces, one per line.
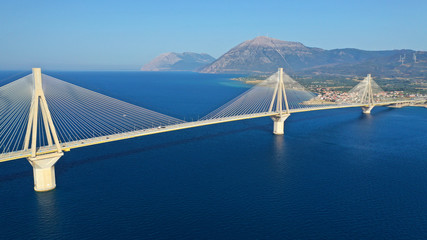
{"x":264,"y":55}
{"x":171,"y":61}
{"x":261,"y":55}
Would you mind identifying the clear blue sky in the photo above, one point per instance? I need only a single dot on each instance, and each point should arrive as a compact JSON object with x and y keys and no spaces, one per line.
{"x":80,"y":35}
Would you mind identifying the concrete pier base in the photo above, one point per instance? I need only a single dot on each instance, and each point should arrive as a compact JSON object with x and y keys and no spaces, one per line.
{"x":279,"y":124}
{"x":44,"y":171}
{"x":367,"y":110}
{"x":399,"y":105}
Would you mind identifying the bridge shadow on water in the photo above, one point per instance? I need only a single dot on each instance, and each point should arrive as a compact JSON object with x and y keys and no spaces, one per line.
{"x":345,"y":117}
{"x":248,"y":126}
{"x":166,"y":144}
{"x":65,"y":165}
{"x":367,"y":118}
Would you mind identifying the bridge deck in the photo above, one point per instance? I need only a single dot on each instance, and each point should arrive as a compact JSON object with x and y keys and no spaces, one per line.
{"x":67,"y":146}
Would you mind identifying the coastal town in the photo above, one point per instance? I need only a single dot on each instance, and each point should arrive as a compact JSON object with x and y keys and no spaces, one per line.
{"x":330,"y":94}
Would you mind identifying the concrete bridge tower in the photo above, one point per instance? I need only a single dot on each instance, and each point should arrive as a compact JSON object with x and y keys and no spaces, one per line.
{"x":43,"y":164}
{"x":279,"y":99}
{"x":368,"y":96}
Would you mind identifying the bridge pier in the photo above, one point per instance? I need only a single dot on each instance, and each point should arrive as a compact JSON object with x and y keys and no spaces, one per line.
{"x":367,"y":110}
{"x":397,"y":105}
{"x":44,"y":171}
{"x":279,"y":124}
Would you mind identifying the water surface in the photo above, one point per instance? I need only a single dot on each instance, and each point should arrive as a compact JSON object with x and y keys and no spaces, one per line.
{"x":335,"y":174}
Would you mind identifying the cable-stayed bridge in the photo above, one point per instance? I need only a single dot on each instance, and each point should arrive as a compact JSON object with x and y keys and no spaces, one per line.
{"x":42,"y":117}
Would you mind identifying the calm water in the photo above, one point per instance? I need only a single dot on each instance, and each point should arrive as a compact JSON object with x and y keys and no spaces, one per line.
{"x":335,"y":174}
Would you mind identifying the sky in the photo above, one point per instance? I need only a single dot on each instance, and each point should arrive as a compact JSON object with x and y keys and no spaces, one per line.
{"x":124,"y":35}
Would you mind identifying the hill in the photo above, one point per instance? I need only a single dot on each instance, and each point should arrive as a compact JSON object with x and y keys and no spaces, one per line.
{"x":171,"y":61}
{"x":263,"y":55}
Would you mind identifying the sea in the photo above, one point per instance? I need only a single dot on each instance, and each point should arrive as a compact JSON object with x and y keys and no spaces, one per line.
{"x":334,"y":174}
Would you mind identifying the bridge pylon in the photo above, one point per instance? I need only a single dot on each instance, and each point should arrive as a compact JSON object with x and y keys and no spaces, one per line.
{"x":43,"y":164}
{"x":368,"y":96}
{"x":279,"y":104}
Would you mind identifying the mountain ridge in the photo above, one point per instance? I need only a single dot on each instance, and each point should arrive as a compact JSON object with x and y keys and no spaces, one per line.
{"x":263,"y":55}
{"x":171,"y":61}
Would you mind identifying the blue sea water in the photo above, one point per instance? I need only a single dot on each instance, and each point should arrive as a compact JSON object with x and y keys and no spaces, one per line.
{"x":335,"y":174}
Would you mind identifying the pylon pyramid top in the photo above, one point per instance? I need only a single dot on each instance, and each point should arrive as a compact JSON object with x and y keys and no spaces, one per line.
{"x":39,"y":104}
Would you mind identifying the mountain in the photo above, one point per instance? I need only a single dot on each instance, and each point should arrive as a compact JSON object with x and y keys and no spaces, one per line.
{"x":396,"y":64}
{"x":264,"y":55}
{"x":171,"y":61}
{"x":261,"y":55}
